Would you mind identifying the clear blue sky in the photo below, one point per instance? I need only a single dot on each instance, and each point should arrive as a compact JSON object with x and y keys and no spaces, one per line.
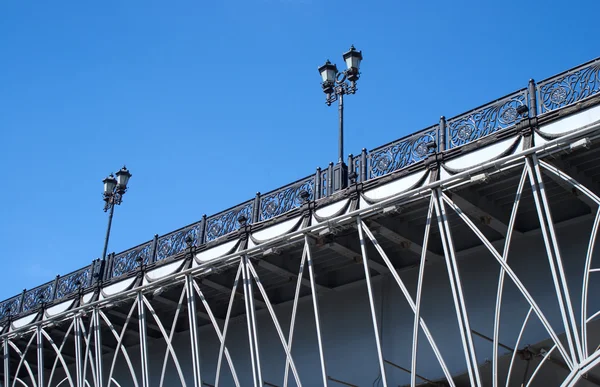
{"x":208,"y":102}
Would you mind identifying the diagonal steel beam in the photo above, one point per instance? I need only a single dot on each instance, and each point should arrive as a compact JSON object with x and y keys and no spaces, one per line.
{"x":355,"y":256}
{"x":397,"y":237}
{"x":482,"y":209}
{"x":578,"y":175}
{"x":288,"y":274}
{"x":173,"y":304}
{"x":226,"y":290}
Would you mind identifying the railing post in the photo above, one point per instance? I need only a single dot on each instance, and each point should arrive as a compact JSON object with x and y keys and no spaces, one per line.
{"x":351,"y":168}
{"x":330,"y":179}
{"x":202,"y":236}
{"x":154,"y":249}
{"x":54,"y":288}
{"x":532,"y":99}
{"x":22,"y":301}
{"x":442,"y":134}
{"x":256,"y":208}
{"x":108,"y":266}
{"x":318,"y":184}
{"x":363,"y":165}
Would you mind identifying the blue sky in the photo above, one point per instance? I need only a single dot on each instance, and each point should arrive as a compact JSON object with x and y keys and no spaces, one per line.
{"x":208,"y":102}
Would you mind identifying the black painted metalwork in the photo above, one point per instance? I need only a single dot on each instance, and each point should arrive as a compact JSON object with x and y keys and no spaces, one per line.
{"x":175,"y":242}
{"x":225,"y":222}
{"x":34,"y":298}
{"x":71,"y":283}
{"x":128,"y":260}
{"x":401,"y":153}
{"x":286,"y":198}
{"x":569,"y":87}
{"x":556,"y":92}
{"x":485,"y":120}
{"x":10,"y":307}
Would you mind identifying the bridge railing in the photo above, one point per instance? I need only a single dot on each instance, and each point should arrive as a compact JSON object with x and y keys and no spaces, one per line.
{"x":553,"y":93}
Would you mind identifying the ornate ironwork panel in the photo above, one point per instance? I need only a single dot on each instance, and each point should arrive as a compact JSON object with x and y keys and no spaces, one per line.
{"x":10,"y":307}
{"x":227,"y":221}
{"x":173,"y":243}
{"x":35,"y":297}
{"x":569,"y":87}
{"x":71,"y":283}
{"x":129,"y":260}
{"x":403,"y":152}
{"x":286,"y":198}
{"x":485,"y":120}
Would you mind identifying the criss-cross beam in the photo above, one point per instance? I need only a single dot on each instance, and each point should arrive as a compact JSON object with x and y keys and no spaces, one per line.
{"x":226,"y":290}
{"x":175,"y":305}
{"x":288,"y":274}
{"x":134,"y":320}
{"x":484,"y":210}
{"x":355,"y":256}
{"x":580,"y":176}
{"x":401,"y":239}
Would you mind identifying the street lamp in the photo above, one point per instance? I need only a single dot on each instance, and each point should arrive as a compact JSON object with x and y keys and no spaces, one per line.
{"x":335,"y":85}
{"x":114,"y":189}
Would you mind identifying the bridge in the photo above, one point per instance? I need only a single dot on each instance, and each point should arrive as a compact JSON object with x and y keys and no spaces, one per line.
{"x":461,"y":255}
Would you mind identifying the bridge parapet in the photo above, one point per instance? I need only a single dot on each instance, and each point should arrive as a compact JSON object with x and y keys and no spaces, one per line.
{"x":557,"y":92}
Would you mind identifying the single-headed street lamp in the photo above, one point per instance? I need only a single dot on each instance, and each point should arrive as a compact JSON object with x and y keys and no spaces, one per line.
{"x":114,"y":189}
{"x":335,"y":85}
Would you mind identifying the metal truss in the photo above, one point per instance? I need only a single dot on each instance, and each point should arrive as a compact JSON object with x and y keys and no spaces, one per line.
{"x":86,"y":330}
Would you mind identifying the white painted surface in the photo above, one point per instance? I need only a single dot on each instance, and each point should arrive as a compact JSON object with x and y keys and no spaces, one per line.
{"x":56,"y":309}
{"x":116,"y":288}
{"x":332,"y":209}
{"x":214,"y":252}
{"x":23,"y":321}
{"x":572,"y":121}
{"x":397,"y":186}
{"x":482,"y":155}
{"x":276,"y":230}
{"x":162,"y":271}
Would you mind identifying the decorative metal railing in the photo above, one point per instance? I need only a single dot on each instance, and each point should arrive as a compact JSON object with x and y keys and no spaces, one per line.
{"x":561,"y":90}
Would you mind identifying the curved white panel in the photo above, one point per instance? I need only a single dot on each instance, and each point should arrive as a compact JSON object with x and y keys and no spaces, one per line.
{"x":87,"y":298}
{"x":251,"y":244}
{"x":538,"y":140}
{"x":276,"y":230}
{"x":24,"y":321}
{"x":162,"y":271}
{"x":481,"y":155}
{"x":331,"y":209}
{"x":396,"y":186}
{"x":573,"y":121}
{"x":363,"y":203}
{"x":444,"y":174}
{"x":216,"y":251}
{"x":56,"y":309}
{"x":118,"y":287}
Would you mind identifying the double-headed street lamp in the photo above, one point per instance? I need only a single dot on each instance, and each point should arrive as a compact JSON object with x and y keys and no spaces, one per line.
{"x":114,"y":189}
{"x":335,"y":85}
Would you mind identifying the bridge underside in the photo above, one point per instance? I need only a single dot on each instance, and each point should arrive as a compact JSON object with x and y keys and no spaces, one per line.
{"x":475,"y":270}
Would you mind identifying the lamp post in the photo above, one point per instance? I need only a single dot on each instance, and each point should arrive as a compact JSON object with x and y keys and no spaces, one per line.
{"x":335,"y":85}
{"x":114,"y":189}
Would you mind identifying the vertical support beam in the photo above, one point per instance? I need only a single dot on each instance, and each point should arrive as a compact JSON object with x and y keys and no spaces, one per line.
{"x":98,"y":347}
{"x":251,"y":320}
{"x":330,"y":179}
{"x":256,"y":208}
{"x":154,"y":249}
{"x":143,"y":339}
{"x":532,"y":99}
{"x":442,"y":134}
{"x":6,"y":363}
{"x":363,"y":165}
{"x":363,"y":250}
{"x":313,"y":292}
{"x":191,"y":298}
{"x":318,"y":184}
{"x":78,"y":353}
{"x":457,"y":293}
{"x":40,"y":357}
{"x":554,"y":258}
